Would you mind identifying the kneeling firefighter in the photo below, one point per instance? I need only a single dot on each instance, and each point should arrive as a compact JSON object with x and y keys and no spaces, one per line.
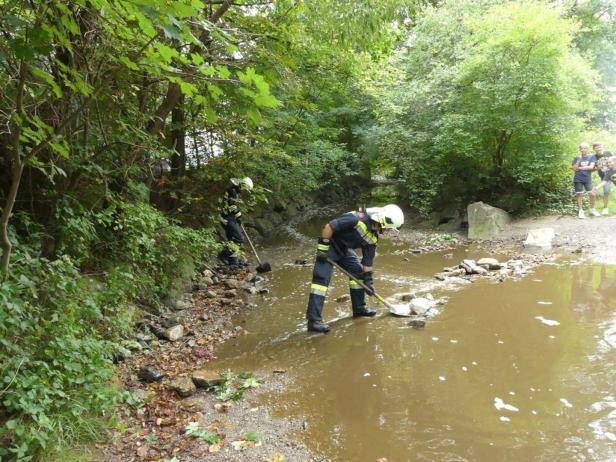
{"x":338,"y":239}
{"x":230,"y":218}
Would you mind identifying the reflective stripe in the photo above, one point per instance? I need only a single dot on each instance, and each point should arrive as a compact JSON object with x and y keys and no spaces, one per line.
{"x":318,"y":289}
{"x":354,"y":285}
{"x":365,"y":234}
{"x":323,"y":247}
{"x":238,"y":214}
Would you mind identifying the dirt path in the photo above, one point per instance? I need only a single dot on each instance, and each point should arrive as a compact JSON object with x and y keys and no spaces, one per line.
{"x":595,"y":236}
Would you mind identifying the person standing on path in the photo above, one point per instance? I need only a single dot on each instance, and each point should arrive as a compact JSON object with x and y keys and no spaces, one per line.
{"x":339,"y":237}
{"x":583,"y":165}
{"x":601,"y":167}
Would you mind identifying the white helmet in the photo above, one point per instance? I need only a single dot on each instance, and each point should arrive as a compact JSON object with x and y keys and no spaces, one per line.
{"x":389,"y":217}
{"x":244,"y":183}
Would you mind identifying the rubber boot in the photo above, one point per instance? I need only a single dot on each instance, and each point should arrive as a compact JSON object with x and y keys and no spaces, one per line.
{"x":318,"y":326}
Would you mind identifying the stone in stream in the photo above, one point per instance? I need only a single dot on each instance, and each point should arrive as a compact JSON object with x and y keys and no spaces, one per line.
{"x":231,"y":283}
{"x":174,"y":333}
{"x":183,"y":386}
{"x":149,"y":374}
{"x":343,"y":298}
{"x":485,"y":221}
{"x":204,"y":378}
{"x":489,"y":263}
{"x":472,"y":268}
{"x":210,"y":294}
{"x":421,"y":305}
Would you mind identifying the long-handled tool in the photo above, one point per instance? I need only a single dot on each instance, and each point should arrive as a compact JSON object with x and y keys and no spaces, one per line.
{"x":263,"y":267}
{"x":398,"y":309}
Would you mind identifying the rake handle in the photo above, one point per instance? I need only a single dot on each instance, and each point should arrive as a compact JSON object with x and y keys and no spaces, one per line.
{"x":378,"y":297}
{"x":250,"y":242}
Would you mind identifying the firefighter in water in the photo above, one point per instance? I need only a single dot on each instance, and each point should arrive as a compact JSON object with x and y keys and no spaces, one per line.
{"x":230,"y":218}
{"x":338,"y":239}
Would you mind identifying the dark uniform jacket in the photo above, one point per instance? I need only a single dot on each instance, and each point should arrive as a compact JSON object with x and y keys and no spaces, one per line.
{"x":352,"y":231}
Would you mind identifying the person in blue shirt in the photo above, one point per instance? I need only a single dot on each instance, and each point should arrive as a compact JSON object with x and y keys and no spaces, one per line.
{"x":339,"y":238}
{"x":583,"y":165}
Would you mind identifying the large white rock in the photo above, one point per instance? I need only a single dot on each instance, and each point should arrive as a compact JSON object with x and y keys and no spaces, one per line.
{"x":485,"y":221}
{"x":539,"y":238}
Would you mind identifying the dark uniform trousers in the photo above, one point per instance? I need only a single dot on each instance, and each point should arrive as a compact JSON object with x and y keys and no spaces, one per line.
{"x":234,"y":234}
{"x":321,"y":277}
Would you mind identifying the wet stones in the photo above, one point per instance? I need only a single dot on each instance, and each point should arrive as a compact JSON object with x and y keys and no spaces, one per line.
{"x":489,"y":263}
{"x":343,"y":298}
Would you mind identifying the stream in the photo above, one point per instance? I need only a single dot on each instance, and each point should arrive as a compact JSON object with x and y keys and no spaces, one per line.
{"x":518,"y":370}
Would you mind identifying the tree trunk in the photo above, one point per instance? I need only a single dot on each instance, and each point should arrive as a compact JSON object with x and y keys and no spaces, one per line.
{"x":17,"y":169}
{"x":178,"y":140}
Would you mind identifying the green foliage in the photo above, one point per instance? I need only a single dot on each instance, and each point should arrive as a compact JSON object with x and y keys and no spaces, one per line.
{"x":232,"y":386}
{"x":55,"y":359}
{"x":485,"y":101}
{"x":193,"y":429}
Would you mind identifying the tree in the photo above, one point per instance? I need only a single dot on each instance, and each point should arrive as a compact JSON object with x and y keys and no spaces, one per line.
{"x":484,"y":100}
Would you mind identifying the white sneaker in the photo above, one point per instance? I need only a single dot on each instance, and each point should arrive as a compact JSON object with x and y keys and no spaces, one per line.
{"x":605,"y":212}
{"x":594,"y":213}
{"x":581,"y":214}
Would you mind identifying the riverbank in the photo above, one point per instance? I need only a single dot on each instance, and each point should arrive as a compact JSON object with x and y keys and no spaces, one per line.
{"x":180,"y":408}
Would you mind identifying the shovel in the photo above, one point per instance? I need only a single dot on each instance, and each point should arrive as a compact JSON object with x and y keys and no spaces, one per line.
{"x":399,"y":309}
{"x":263,"y":267}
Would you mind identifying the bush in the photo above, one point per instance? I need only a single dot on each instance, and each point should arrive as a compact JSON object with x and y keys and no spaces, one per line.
{"x":59,"y":328}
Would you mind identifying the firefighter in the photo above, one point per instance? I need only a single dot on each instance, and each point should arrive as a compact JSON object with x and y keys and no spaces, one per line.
{"x":230,"y":218}
{"x":338,"y":240}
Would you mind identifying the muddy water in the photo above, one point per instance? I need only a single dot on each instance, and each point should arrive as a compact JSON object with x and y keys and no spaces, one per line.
{"x":516,"y":371}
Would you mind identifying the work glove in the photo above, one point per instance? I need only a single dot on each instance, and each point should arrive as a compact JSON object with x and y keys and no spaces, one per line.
{"x":323,"y":249}
{"x":368,"y":282}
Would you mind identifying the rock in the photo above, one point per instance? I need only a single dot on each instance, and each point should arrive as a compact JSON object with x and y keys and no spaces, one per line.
{"x":485,"y":221}
{"x":301,"y":262}
{"x":204,"y":317}
{"x":174,"y":333}
{"x":149,"y":374}
{"x":231,"y":293}
{"x":473,"y":268}
{"x":210,"y":294}
{"x":231,"y":284}
{"x":141,"y":395}
{"x":208,"y":281}
{"x":207,"y":273}
{"x":204,"y":378}
{"x":263,"y":290}
{"x":223,"y":407}
{"x":539,"y":238}
{"x":417,"y":323}
{"x":199,"y":286}
{"x":183,"y":386}
{"x":250,"y":277}
{"x":407,"y":297}
{"x":182,"y":305}
{"x":455,"y":272}
{"x":343,"y":298}
{"x":421,"y":305}
{"x":489,"y":263}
